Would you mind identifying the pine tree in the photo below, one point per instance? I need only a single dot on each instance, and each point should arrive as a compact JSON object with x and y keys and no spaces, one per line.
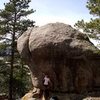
{"x":92,"y":27}
{"x":13,"y":22}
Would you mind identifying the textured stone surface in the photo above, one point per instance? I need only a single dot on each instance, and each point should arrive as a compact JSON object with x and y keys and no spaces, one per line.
{"x":65,"y":54}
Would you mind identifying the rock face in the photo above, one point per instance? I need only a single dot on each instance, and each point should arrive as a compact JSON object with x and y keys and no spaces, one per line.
{"x":64,"y":53}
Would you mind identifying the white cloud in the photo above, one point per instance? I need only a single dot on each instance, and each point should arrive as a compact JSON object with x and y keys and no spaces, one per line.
{"x":42,"y":20}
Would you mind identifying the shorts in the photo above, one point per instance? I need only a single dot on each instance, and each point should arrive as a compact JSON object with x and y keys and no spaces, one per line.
{"x":46,"y":86}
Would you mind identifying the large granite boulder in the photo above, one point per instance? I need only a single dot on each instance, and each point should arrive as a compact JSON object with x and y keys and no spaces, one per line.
{"x":62,"y":52}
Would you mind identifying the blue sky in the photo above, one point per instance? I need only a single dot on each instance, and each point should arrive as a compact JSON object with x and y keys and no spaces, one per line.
{"x":66,"y":11}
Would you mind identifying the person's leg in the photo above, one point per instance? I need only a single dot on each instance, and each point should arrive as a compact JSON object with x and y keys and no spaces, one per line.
{"x":41,"y":93}
{"x":47,"y":93}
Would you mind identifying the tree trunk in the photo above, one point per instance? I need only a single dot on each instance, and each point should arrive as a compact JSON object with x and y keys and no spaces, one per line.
{"x":12,"y":61}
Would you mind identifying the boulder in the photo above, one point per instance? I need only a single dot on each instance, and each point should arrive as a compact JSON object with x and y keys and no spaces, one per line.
{"x":64,"y":54}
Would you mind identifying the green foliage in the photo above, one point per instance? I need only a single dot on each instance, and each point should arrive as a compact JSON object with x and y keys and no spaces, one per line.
{"x":97,"y":52}
{"x":94,"y":7}
{"x":92,"y":27}
{"x":86,"y":37}
{"x":12,"y":15}
{"x":4,"y":67}
{"x":21,"y":80}
{"x":13,"y":22}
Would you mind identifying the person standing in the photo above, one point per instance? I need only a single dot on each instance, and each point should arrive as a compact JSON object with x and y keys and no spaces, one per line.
{"x":46,"y":83}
